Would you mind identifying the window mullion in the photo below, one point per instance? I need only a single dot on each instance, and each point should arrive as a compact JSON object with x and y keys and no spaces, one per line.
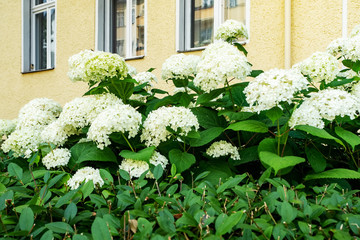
{"x":129,"y":28}
{"x":48,"y":38}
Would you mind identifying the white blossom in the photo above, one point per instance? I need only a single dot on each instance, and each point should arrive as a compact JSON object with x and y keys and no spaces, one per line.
{"x":223,"y":148}
{"x":351,"y":49}
{"x":131,"y":70}
{"x":219,"y":61}
{"x":336,"y":47}
{"x":56,"y":133}
{"x":320,"y":66}
{"x":7,"y":126}
{"x":136,"y":167}
{"x":57,"y":157}
{"x":177,"y":118}
{"x":325,"y":104}
{"x":231,"y":29}
{"x":119,"y":118}
{"x":85,"y":174}
{"x":96,"y":66}
{"x":179,"y":66}
{"x":146,"y":77}
{"x":272,"y":87}
{"x":355,"y":31}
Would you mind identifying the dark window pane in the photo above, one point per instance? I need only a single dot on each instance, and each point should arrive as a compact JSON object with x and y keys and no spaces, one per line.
{"x":202,"y":22}
{"x":41,"y":41}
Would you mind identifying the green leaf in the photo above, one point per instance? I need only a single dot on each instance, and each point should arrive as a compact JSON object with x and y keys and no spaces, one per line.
{"x":238,"y":116}
{"x":48,"y":235}
{"x":206,"y":136}
{"x":59,"y":227}
{"x":122,"y":88}
{"x":166,"y":221}
{"x":232,"y":182}
{"x":354,"y":223}
{"x":335,"y":173}
{"x":349,"y":137}
{"x":88,"y":151}
{"x":26,"y":220}
{"x":70,"y":211}
{"x":15,"y":171}
{"x":274,"y":114}
{"x":187,"y":220}
{"x":317,"y":132}
{"x":145,"y":228}
{"x":124,"y":174}
{"x":229,"y":223}
{"x":106,"y":176}
{"x":207,"y":97}
{"x":182,"y":160}
{"x":316,"y":159}
{"x":99,"y":230}
{"x":54,"y":180}
{"x":352,"y":65}
{"x":202,"y":175}
{"x":97,"y":200}
{"x":79,"y":237}
{"x":249,"y":126}
{"x":9,"y":195}
{"x":241,"y":48}
{"x":143,"y":155}
{"x":208,"y":118}
{"x":278,"y":163}
{"x":66,"y":198}
{"x":183,"y":82}
{"x":158,"y":171}
{"x":287,"y":212}
{"x":238,"y":94}
{"x":255,"y":73}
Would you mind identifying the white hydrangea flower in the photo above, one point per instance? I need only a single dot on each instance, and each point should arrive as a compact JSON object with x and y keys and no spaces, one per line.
{"x":336,"y":47}
{"x":231,"y":29}
{"x":131,"y":70}
{"x":39,"y":111}
{"x":138,"y":97}
{"x":7,"y":126}
{"x":23,"y":141}
{"x":56,"y":133}
{"x":146,"y":77}
{"x":351,"y":49}
{"x":85,"y":174}
{"x":95,"y":66}
{"x":103,"y":101}
{"x":179,"y":66}
{"x":272,"y":87}
{"x":223,"y":148}
{"x":136,"y":167}
{"x":355,"y":90}
{"x":355,"y":31}
{"x":176,"y":118}
{"x":320,"y":66}
{"x":329,"y":103}
{"x":57,"y":157}
{"x":118,"y":118}
{"x":219,"y":61}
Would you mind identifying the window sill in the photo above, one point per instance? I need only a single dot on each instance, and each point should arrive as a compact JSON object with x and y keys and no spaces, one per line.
{"x":134,"y":58}
{"x":40,"y":70}
{"x":192,"y":49}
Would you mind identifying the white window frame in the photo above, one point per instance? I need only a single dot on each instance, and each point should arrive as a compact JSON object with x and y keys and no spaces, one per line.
{"x":29,"y":9}
{"x":103,"y":38}
{"x":183,"y":23}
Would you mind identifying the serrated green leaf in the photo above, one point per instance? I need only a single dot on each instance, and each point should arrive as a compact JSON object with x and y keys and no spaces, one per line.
{"x":249,"y":126}
{"x":182,"y":160}
{"x":143,"y":155}
{"x":99,"y":230}
{"x":317,"y":132}
{"x":335,"y":173}
{"x":207,"y":97}
{"x":349,"y":137}
{"x":237,"y":116}
{"x":208,"y":118}
{"x":278,"y":163}
{"x":26,"y":219}
{"x":88,"y":151}
{"x":59,"y":227}
{"x":206,"y":136}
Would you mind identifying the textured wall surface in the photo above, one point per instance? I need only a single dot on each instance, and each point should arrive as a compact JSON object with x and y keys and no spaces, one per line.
{"x":314,"y":25}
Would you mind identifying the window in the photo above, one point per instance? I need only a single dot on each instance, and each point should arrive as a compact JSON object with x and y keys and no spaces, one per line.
{"x":121,"y":27}
{"x":39,"y":35}
{"x":198,"y":20}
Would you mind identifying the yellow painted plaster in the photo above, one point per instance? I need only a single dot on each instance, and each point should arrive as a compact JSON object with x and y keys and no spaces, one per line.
{"x":353,"y":14}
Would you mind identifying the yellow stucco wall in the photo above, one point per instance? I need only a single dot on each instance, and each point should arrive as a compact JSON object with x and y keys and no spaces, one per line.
{"x":314,"y":25}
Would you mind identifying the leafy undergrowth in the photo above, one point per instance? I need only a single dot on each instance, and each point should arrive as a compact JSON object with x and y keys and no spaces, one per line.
{"x":38,"y":205}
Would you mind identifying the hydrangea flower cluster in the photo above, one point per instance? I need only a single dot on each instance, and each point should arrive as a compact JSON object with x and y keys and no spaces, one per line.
{"x":325,"y":104}
{"x":223,"y":148}
{"x":57,"y":157}
{"x":231,"y":30}
{"x":179,"y":66}
{"x":131,"y":70}
{"x":272,"y":87}
{"x":319,"y":66}
{"x":32,"y":119}
{"x":336,"y":47}
{"x":136,"y":168}
{"x":146,"y":77}
{"x":158,"y":120}
{"x":7,"y":126}
{"x":219,"y":61}
{"x":39,"y":111}
{"x":119,"y":118}
{"x":85,"y":174}
{"x":95,"y":66}
{"x":355,"y":31}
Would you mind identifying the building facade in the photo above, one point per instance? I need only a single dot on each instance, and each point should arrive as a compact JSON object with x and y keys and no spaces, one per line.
{"x":38,"y":36}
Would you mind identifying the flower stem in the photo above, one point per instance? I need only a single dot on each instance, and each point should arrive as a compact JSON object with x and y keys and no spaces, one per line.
{"x":278,"y":135}
{"x":127,"y":142}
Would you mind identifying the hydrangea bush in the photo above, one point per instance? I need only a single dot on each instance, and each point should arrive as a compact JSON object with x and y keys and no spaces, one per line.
{"x":96,"y":161}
